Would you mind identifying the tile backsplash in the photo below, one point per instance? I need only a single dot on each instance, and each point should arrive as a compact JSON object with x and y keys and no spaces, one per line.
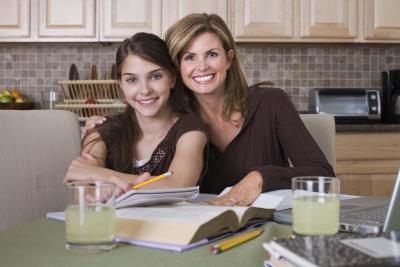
{"x":35,"y":68}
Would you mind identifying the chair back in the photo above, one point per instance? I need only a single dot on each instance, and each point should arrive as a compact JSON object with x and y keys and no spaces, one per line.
{"x":322,"y":129}
{"x":36,"y":148}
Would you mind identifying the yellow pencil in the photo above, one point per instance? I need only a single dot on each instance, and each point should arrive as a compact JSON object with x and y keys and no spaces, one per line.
{"x":152,"y":180}
{"x":235,"y":241}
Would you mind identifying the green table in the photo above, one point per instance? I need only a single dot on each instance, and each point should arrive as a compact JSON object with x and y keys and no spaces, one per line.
{"x":41,"y":243}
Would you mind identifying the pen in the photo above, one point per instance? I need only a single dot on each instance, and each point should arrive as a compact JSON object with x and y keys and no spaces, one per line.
{"x":235,"y":241}
{"x":152,"y":180}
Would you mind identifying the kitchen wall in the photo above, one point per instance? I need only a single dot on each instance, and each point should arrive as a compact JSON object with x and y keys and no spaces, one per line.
{"x":36,"y":67}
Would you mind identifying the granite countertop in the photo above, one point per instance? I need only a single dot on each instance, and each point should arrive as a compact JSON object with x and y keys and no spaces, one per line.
{"x":370,"y":127}
{"x":362,"y":126}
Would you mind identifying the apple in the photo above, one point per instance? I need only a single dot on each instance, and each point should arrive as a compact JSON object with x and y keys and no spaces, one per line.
{"x":6,"y":99}
{"x":90,"y":101}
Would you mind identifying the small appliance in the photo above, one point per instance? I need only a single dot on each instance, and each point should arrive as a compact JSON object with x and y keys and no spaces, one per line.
{"x":348,"y":105}
{"x":391,"y":96}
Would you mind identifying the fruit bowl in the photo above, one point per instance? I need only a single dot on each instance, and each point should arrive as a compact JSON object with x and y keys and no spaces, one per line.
{"x":20,"y":106}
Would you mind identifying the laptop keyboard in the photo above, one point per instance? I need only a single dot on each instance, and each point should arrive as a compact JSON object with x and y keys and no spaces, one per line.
{"x":375,"y":214}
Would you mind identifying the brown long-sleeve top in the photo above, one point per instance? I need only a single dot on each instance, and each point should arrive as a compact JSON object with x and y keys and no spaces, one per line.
{"x":272,"y":133}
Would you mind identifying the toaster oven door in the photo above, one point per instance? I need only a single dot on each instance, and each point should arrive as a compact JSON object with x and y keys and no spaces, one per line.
{"x":353,"y":105}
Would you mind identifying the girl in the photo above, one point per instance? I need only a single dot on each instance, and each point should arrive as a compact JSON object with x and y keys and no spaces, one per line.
{"x":154,"y":134}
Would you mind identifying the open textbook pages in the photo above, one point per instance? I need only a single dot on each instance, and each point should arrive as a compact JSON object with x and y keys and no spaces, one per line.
{"x":277,"y":200}
{"x":148,"y":197}
{"x":185,"y":223}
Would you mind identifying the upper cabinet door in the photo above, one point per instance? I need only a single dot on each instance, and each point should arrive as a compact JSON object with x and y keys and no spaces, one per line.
{"x":120,"y":19}
{"x":328,"y":18}
{"x":173,"y":10}
{"x":67,"y":19}
{"x":14,"y":18}
{"x":382,"y":19}
{"x":262,"y":18}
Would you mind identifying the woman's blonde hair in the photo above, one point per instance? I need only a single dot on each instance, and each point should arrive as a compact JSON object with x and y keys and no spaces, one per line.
{"x":183,"y":31}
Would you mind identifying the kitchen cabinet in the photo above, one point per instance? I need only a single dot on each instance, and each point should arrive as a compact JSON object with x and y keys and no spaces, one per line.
{"x":48,"y":20}
{"x":67,"y":19}
{"x":327,"y":18}
{"x":367,"y":162}
{"x":120,"y":19}
{"x":173,"y":10}
{"x":14,"y":19}
{"x":294,"y":20}
{"x":262,"y":18}
{"x":349,"y":21}
{"x":382,"y":19}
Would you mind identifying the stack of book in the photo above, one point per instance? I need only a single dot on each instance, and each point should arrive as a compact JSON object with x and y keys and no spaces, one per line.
{"x":334,"y":251}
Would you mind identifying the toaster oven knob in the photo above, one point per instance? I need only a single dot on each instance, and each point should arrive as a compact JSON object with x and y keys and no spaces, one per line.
{"x":374,"y":108}
{"x":373,"y":96}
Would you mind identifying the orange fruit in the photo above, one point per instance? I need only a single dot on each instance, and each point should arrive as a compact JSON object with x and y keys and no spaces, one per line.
{"x":15,"y":93}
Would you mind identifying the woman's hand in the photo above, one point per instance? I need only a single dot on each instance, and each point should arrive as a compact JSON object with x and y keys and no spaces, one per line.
{"x":243,"y":193}
{"x":91,"y":123}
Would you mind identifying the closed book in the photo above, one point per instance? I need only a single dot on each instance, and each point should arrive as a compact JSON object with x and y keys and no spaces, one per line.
{"x":185,"y":223}
{"x":335,"y":251}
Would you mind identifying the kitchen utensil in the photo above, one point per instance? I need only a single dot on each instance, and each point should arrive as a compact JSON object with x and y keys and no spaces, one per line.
{"x":94,"y":75}
{"x":113,"y":72}
{"x":72,"y":75}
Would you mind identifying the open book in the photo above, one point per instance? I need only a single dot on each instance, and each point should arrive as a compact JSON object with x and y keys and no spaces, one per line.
{"x":185,"y":223}
{"x":148,"y":197}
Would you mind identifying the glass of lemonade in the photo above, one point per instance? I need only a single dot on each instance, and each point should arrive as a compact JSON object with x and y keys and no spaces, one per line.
{"x":90,"y":217}
{"x":315,"y":205}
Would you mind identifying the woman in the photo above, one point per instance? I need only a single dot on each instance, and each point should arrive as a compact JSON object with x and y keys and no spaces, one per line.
{"x":254,"y":131}
{"x":154,"y":134}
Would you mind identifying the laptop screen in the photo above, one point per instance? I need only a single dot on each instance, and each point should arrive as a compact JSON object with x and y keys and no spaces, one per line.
{"x":392,"y":221}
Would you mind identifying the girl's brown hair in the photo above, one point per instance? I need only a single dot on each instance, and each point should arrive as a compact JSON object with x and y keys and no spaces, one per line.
{"x":183,"y":31}
{"x":121,"y":132}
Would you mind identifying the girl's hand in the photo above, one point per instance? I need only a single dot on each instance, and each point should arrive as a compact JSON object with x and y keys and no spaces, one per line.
{"x":82,"y":169}
{"x":91,"y":123}
{"x":243,"y":193}
{"x":145,"y":176}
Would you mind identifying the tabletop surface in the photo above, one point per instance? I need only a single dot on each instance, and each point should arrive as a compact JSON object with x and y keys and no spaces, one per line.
{"x":41,"y":243}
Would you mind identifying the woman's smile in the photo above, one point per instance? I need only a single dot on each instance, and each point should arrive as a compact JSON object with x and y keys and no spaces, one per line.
{"x":203,"y":78}
{"x":204,"y":64}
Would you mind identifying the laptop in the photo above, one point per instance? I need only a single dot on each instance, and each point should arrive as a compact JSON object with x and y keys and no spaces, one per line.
{"x":363,"y":214}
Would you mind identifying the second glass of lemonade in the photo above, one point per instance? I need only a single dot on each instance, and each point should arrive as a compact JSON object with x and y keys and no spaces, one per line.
{"x":315,"y":205}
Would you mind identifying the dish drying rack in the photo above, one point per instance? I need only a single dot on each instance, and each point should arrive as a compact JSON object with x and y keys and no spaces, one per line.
{"x":87,"y":98}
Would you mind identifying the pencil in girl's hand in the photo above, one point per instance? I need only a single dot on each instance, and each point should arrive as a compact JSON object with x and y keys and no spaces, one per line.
{"x":152,"y":180}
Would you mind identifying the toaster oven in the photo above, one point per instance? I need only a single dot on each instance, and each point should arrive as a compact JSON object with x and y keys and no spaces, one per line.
{"x":348,"y":104}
